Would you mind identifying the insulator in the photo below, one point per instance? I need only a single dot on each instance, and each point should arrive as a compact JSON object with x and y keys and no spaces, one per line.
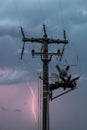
{"x":22,"y":32}
{"x":64,"y":34}
{"x":33,"y":52}
{"x":44,"y":29}
{"x":22,"y":52}
{"x":58,"y":52}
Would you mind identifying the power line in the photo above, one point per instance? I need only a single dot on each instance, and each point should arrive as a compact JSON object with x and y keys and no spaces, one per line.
{"x":62,"y":13}
{"x":41,"y":11}
{"x":17,"y":12}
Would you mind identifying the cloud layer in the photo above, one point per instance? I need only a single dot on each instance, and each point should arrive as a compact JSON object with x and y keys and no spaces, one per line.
{"x":9,"y":76}
{"x":70,"y":111}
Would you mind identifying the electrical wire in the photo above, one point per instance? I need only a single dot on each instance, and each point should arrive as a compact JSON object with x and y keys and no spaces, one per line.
{"x":76,"y":53}
{"x":41,"y":11}
{"x":62,"y":13}
{"x":39,"y":104}
{"x":17,"y":12}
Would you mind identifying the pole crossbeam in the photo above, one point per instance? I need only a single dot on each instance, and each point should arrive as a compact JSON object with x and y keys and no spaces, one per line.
{"x":48,"y":40}
{"x":62,"y":94}
{"x":39,"y":53}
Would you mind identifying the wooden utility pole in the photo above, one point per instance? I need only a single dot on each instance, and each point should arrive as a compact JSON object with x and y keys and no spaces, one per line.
{"x":46,"y":58}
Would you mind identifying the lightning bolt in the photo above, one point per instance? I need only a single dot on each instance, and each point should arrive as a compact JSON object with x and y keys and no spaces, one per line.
{"x":33,"y":103}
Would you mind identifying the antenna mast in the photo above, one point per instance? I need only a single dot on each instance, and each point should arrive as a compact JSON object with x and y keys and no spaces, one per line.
{"x":46,"y":57}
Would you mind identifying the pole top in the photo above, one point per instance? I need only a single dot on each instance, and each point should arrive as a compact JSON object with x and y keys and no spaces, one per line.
{"x":44,"y":30}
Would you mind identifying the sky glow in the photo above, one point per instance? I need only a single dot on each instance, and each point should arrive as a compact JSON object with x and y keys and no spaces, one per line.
{"x":16,"y":113}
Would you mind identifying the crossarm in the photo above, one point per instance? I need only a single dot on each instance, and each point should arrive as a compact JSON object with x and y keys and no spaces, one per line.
{"x":42,"y":40}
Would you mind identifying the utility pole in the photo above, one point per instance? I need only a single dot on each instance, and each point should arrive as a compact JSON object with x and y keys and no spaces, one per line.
{"x":46,"y":57}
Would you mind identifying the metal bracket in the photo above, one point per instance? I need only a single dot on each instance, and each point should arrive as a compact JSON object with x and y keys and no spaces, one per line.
{"x":62,"y":94}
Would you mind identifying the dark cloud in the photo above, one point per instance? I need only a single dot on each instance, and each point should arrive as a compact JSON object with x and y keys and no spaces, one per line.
{"x":9,"y":30}
{"x":3,"y":108}
{"x":18,"y":110}
{"x":70,"y":111}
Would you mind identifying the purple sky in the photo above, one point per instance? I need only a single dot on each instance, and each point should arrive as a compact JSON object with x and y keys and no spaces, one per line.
{"x":66,"y":113}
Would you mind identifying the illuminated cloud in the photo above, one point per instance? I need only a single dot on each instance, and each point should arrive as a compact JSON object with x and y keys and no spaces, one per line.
{"x":9,"y":76}
{"x":84,"y":12}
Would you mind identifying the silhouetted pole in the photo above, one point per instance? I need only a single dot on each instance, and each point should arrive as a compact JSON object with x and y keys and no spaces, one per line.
{"x":46,"y":58}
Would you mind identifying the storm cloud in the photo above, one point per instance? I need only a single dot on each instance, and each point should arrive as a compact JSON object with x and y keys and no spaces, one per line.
{"x":68,"y":112}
